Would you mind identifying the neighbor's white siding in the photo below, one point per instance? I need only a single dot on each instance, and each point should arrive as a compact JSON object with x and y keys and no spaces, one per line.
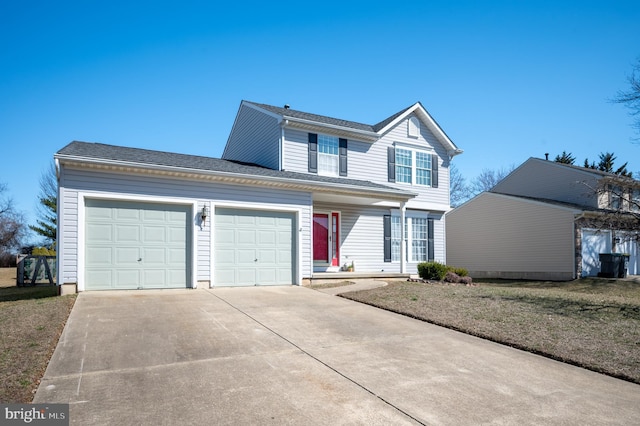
{"x":552,"y":181}
{"x":159,"y":189}
{"x":501,"y":236}
{"x":255,"y":138}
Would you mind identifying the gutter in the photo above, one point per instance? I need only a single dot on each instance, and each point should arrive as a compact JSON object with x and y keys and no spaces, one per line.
{"x":288,"y":120}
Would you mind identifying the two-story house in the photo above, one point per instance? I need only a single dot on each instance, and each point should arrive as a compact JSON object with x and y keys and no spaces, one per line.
{"x":294,"y":194}
{"x":546,"y":220}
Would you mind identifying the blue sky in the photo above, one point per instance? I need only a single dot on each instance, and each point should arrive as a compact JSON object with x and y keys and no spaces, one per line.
{"x":506,"y":80}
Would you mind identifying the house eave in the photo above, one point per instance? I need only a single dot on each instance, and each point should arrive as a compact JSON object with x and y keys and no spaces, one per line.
{"x":234,"y":178}
{"x":349,"y":132}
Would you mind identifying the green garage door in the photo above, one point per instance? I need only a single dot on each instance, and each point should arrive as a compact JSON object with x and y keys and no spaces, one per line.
{"x":253,"y":247}
{"x":131,"y":245}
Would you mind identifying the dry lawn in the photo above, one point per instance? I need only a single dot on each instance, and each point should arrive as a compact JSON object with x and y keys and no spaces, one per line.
{"x":591,"y":323}
{"x":31,"y":320}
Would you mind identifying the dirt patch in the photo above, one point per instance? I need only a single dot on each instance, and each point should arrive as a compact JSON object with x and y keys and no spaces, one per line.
{"x":589,"y":323}
{"x":8,"y":277}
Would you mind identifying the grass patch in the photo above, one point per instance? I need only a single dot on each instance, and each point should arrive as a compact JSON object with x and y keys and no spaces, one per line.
{"x":31,"y":320}
{"x":592,"y":323}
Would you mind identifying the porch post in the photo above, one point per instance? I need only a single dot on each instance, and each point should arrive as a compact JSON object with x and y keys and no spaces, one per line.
{"x":403,"y":241}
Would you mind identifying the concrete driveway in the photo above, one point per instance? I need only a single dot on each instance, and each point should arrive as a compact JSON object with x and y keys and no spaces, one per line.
{"x":291,"y":355}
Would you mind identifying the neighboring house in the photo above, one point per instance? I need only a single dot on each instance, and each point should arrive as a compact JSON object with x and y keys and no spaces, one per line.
{"x":546,"y":220}
{"x":294,"y":194}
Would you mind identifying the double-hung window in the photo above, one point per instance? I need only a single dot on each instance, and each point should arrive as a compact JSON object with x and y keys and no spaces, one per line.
{"x":413,"y":166}
{"x":416,"y":233}
{"x":328,"y":159}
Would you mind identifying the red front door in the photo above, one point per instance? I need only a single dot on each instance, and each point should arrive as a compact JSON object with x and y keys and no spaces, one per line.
{"x":326,"y":238}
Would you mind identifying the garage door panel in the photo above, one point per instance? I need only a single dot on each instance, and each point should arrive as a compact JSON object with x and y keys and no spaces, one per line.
{"x":253,"y":247}
{"x":127,"y":278}
{"x":99,"y":256}
{"x":127,"y":215}
{"x":127,"y":233}
{"x":268,"y":237}
{"x":102,"y":233}
{"x":136,"y":245}
{"x":100,"y":278}
{"x":152,"y":256}
{"x":154,"y":234}
{"x":244,"y":236}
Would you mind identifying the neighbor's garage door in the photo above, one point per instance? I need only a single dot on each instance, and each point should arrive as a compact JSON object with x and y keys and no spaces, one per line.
{"x":132,"y":245}
{"x":253,"y":247}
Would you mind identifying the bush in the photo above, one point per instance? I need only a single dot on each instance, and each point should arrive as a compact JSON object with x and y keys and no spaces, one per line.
{"x":466,"y":280}
{"x":462,"y":272}
{"x":452,"y":277}
{"x":432,"y":271}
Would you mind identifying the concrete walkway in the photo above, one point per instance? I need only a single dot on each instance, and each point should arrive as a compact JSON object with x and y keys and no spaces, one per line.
{"x":292,"y":355}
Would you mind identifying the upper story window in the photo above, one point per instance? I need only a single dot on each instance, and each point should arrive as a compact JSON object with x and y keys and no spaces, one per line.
{"x":327,"y":155}
{"x":615,"y":197}
{"x":328,"y":160}
{"x":413,"y":127}
{"x":413,"y":166}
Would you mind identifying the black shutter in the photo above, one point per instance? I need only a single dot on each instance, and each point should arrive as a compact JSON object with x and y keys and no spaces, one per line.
{"x":387,"y":237}
{"x":313,"y":153}
{"x":434,"y":170}
{"x":343,"y":157}
{"x":391,"y":160}
{"x":430,"y":248}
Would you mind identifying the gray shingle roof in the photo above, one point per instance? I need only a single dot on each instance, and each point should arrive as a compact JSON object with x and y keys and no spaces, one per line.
{"x":99,"y":151}
{"x":288,"y":112}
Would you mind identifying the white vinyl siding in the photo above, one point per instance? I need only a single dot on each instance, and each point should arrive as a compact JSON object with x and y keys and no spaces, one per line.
{"x":500,"y":236}
{"x":160,"y":189}
{"x":255,"y":138}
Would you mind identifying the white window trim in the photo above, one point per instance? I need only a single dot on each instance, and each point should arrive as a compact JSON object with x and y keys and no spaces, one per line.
{"x":413,"y":149}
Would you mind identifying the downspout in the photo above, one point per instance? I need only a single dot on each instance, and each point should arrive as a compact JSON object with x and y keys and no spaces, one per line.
{"x":403,"y":241}
{"x":59,"y":248}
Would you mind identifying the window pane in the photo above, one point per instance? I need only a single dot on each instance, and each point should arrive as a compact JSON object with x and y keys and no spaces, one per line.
{"x":328,"y":144}
{"x":423,"y":168}
{"x":328,"y":164}
{"x":403,"y":166}
{"x":419,"y":239}
{"x":395,"y":239}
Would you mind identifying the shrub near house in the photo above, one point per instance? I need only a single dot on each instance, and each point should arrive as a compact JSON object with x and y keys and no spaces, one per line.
{"x":441,"y":272}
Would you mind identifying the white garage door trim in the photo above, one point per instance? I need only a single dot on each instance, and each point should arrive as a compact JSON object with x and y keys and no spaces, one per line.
{"x":81,"y":238}
{"x":296,"y":273}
